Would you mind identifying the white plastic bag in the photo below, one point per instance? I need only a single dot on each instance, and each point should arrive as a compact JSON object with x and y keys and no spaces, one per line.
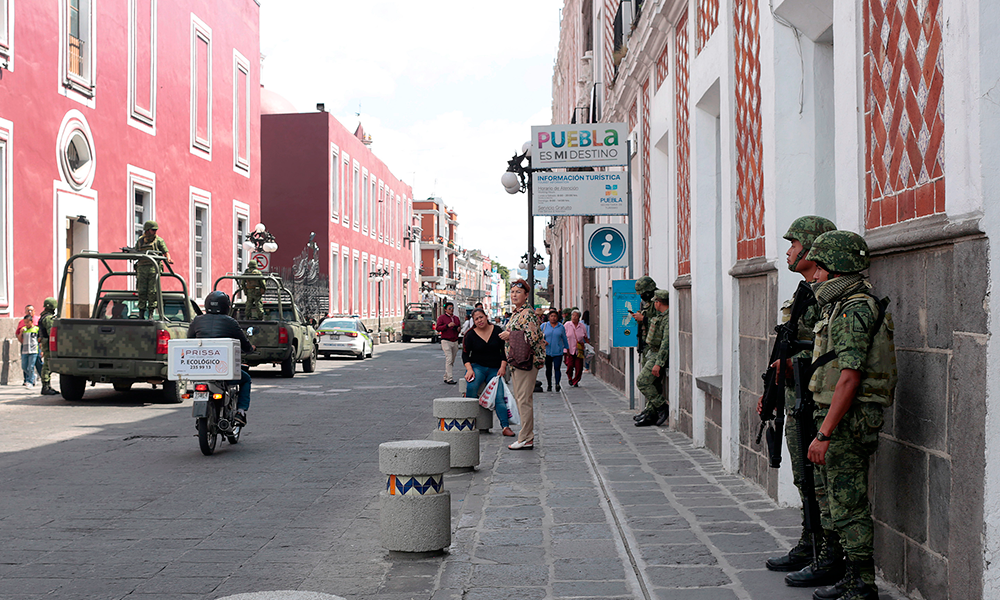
{"x":588,"y":351}
{"x":488,"y":399}
{"x":513,"y":416}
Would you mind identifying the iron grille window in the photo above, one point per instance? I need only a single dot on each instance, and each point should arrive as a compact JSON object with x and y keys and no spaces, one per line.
{"x":200,"y":248}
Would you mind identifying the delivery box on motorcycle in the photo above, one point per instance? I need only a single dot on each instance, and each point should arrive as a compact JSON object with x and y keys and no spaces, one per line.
{"x":203,"y":359}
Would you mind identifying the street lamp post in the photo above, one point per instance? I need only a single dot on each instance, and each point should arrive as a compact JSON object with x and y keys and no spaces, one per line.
{"x":378,"y":275}
{"x":518,"y":179}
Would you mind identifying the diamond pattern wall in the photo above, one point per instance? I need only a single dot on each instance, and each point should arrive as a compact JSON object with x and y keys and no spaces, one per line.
{"x":683,"y":134}
{"x":610,"y":9}
{"x":904,"y":110}
{"x":662,"y":66}
{"x":646,"y":197}
{"x":708,"y":20}
{"x":749,"y":149}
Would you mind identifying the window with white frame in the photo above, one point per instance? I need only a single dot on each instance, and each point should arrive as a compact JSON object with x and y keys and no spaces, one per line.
{"x":241,"y":227}
{"x":201,"y":88}
{"x":345,"y":276}
{"x":334,"y":282}
{"x":5,"y":169}
{"x":356,"y":197}
{"x":78,"y":46}
{"x":334,"y":183}
{"x":364,"y":287}
{"x":355,"y":289}
{"x":201,"y":244}
{"x":6,"y":33}
{"x":241,"y":114}
{"x":142,"y":63}
{"x":373,"y":198}
{"x":381,"y":208}
{"x":364,"y":200}
{"x":142,"y":208}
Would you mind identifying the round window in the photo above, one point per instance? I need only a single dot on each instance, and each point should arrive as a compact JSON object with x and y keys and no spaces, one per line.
{"x":78,"y":159}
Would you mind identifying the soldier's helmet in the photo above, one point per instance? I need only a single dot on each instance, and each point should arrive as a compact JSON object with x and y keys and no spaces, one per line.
{"x":149,"y":225}
{"x":662,"y":296}
{"x":50,"y":303}
{"x":253,"y":264}
{"x":840,"y":252}
{"x":645,"y":285}
{"x":217,"y":303}
{"x":807,"y":229}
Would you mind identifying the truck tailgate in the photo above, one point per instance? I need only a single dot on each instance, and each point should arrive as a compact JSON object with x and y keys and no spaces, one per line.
{"x":263,"y":334}
{"x":115,"y":338}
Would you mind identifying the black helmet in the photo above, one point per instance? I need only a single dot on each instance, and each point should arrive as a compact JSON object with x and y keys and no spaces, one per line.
{"x":217,"y":303}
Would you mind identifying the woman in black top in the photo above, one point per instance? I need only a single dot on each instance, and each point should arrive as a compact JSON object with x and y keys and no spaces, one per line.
{"x":484,"y":358}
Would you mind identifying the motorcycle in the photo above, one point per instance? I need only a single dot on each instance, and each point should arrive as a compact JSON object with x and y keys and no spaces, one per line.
{"x":214,"y":410}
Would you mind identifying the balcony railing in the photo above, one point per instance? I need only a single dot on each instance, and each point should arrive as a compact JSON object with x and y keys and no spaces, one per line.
{"x":76,"y":56}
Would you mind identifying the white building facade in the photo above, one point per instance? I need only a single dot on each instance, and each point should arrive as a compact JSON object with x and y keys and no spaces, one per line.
{"x":881,"y":115}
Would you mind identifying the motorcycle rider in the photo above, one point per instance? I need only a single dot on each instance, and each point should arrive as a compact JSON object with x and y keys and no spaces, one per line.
{"x":218,"y":324}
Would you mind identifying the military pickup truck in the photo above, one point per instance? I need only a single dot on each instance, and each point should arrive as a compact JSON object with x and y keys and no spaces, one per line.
{"x":283,"y":337}
{"x":114,"y":345}
{"x":419,"y":322}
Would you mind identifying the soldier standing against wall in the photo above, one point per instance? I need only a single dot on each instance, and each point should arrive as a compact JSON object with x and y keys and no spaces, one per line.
{"x":253,"y":291}
{"x":802,"y":233}
{"x":854,"y":380}
{"x":657,"y":357}
{"x":45,"y":321}
{"x":645,"y":287}
{"x":145,"y":271}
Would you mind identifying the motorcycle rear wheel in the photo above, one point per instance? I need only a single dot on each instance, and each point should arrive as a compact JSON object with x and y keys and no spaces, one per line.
{"x":208,"y":434}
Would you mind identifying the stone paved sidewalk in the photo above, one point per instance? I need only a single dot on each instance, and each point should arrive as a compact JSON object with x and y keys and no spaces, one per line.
{"x":602,"y":509}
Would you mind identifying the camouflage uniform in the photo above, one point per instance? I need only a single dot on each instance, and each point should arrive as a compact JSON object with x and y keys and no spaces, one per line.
{"x":253,"y":290}
{"x":645,"y":286}
{"x":849,"y":332}
{"x":657,"y":353}
{"x":146,"y":271}
{"x":45,"y":321}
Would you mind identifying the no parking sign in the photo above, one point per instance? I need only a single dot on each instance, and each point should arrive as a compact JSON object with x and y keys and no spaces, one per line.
{"x":263,"y":260}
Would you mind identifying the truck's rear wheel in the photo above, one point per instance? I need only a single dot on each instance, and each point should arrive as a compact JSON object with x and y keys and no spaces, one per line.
{"x":172,"y":392}
{"x":309,"y":364}
{"x":72,"y":387}
{"x":406,"y":339}
{"x":288,"y":366}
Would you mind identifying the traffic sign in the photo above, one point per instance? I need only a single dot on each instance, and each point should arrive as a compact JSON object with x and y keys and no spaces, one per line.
{"x":263,"y":260}
{"x":605,"y":245}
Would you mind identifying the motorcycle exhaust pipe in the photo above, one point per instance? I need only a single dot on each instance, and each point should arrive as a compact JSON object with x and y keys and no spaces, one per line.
{"x":224,"y":425}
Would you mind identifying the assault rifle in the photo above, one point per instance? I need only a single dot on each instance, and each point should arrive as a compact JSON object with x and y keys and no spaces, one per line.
{"x":802,"y":370}
{"x":786,"y":345}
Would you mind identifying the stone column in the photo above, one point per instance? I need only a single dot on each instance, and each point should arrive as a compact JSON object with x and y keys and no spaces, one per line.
{"x":457,"y":425}
{"x":416,"y":509}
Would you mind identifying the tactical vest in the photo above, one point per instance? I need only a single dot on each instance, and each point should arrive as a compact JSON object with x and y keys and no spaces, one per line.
{"x":879,"y":378}
{"x":654,"y":338}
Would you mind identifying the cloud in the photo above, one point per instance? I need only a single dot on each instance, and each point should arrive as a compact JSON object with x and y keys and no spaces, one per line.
{"x":448,"y":91}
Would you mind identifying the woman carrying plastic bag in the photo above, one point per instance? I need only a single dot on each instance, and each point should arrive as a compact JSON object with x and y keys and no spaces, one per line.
{"x":485,"y":363}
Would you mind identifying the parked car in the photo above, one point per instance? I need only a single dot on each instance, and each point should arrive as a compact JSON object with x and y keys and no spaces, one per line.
{"x":345,"y":335}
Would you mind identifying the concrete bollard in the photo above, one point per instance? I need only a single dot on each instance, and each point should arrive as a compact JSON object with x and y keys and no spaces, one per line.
{"x":416,"y":509}
{"x":457,"y":425}
{"x":485,"y":419}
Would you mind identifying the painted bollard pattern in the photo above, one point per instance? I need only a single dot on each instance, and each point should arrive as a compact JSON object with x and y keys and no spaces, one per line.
{"x":456,"y":424}
{"x":416,"y":509}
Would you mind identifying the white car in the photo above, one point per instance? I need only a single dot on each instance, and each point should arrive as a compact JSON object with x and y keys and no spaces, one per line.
{"x":345,"y":335}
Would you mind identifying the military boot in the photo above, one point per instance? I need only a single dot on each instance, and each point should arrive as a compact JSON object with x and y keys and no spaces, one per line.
{"x":797,"y":558}
{"x":47,"y":390}
{"x":662,"y":414}
{"x":142,"y":313}
{"x":641,"y":415}
{"x":827,"y":569}
{"x":862,"y":585}
{"x":835,"y":591}
{"x":648,"y":418}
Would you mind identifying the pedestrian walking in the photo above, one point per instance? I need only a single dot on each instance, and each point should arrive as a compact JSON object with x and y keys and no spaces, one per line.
{"x":45,"y":321}
{"x":27,"y":335}
{"x":854,"y":380}
{"x":448,"y":326}
{"x":523,"y":335}
{"x":555,"y":346}
{"x":576,"y":335}
{"x":801,"y":234}
{"x":654,"y":365}
{"x":484,"y":359}
{"x":586,"y":322}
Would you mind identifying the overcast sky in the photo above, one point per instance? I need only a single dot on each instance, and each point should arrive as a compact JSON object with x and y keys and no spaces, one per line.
{"x":448,"y":91}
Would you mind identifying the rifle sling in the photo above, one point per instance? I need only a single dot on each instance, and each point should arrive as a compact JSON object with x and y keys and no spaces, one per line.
{"x":832,"y":354}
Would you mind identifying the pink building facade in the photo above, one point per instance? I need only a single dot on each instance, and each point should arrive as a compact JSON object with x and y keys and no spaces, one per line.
{"x":115,"y":113}
{"x":320,"y":178}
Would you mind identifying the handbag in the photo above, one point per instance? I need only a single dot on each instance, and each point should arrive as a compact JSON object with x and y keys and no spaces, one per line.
{"x":521,"y":355}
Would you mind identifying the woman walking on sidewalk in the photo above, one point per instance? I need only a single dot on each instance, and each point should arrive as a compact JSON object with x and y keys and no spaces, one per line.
{"x":483,"y":355}
{"x":525,"y":349}
{"x":556,"y":345}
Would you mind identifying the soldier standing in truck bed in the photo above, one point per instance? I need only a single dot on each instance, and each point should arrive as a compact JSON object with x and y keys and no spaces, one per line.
{"x":145,"y":271}
{"x":253,"y":290}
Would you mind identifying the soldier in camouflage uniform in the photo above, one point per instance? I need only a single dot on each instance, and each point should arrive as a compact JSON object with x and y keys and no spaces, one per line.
{"x":645,"y":287}
{"x":253,"y":290}
{"x":801,"y":233}
{"x":854,"y":380}
{"x":45,"y":321}
{"x":146,"y":271}
{"x":657,"y":357}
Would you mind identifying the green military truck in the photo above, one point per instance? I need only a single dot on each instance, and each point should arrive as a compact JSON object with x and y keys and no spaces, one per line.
{"x":114,"y":345}
{"x":418,"y":322}
{"x":283,"y":337}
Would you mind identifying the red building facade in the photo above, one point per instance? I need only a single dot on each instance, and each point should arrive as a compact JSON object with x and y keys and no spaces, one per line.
{"x":114,"y":113}
{"x":317,"y":177}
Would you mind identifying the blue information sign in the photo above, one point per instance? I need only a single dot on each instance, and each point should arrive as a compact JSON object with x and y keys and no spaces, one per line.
{"x":624,"y":301}
{"x":606,"y":245}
